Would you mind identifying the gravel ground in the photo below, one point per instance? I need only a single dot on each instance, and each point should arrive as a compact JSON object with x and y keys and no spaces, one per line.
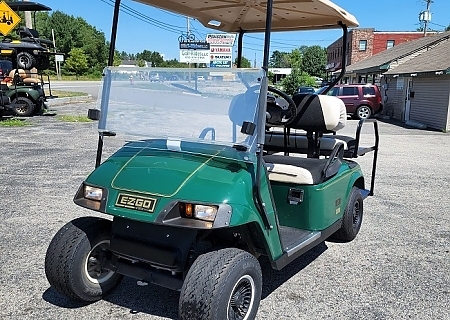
{"x":397,"y":267}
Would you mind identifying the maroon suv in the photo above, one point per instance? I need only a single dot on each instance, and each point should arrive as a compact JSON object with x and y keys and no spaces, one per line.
{"x":361,"y":100}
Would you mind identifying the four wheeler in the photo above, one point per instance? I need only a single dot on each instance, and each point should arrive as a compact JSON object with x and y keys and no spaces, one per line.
{"x":198,"y":192}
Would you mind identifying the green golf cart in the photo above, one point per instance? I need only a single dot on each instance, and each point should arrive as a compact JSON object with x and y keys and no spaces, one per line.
{"x":213,"y":174}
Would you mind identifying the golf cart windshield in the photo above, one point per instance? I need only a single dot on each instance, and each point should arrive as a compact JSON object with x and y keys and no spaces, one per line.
{"x":180,"y":108}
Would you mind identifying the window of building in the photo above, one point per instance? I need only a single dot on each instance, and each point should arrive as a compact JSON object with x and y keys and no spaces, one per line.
{"x":390,"y":44}
{"x":349,"y":91}
{"x":362,"y":45}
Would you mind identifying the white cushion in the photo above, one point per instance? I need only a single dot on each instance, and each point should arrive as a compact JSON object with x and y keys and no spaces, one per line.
{"x":288,"y":174}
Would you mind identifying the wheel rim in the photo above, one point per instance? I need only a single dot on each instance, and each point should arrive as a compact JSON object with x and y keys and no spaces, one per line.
{"x":356,"y":216}
{"x":22,"y":108}
{"x":93,"y":266}
{"x":24,"y":60}
{"x":242,"y":299}
{"x":364,"y":112}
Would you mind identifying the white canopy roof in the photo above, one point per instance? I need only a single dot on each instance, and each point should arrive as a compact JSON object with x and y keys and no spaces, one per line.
{"x":250,"y":15}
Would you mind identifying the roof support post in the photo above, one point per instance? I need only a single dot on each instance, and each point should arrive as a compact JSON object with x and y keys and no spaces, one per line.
{"x":344,"y":58}
{"x":239,"y":48}
{"x":112,"y":44}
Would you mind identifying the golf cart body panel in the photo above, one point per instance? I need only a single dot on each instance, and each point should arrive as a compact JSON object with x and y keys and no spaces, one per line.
{"x":249,"y":16}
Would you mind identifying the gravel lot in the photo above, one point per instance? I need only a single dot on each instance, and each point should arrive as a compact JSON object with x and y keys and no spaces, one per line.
{"x":397,"y":267}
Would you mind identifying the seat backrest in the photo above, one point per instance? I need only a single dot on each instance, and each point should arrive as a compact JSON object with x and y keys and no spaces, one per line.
{"x":319,"y":113}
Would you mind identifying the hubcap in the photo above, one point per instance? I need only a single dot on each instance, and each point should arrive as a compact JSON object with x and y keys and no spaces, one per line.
{"x":22,"y":108}
{"x":364,"y":112}
{"x":94,"y":264}
{"x":241,"y":299}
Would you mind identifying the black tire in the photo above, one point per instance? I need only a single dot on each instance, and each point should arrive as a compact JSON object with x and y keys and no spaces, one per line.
{"x":23,"y":107}
{"x":25,"y":60}
{"x":363,"y":112}
{"x":73,"y":263}
{"x":352,"y":218}
{"x":42,"y":63}
{"x":223,"y":284}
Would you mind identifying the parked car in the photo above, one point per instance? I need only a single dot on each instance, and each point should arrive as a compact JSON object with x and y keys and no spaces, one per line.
{"x":200,"y":78}
{"x":306,"y":90}
{"x":154,"y":77}
{"x":361,"y":100}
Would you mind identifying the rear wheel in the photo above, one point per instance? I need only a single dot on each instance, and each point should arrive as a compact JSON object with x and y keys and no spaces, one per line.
{"x":352,"y":218}
{"x":75,"y":258}
{"x":363,"y":112}
{"x":23,"y":107}
{"x":25,"y":60}
{"x":42,"y":63}
{"x":224,"y":284}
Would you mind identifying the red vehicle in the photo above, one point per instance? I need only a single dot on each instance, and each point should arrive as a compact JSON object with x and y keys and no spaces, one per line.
{"x":361,"y":100}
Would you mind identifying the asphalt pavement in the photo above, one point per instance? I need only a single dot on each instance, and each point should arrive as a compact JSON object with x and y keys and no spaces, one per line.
{"x":396,"y":268}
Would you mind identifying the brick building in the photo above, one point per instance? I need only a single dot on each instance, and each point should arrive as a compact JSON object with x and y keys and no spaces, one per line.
{"x":363,"y":43}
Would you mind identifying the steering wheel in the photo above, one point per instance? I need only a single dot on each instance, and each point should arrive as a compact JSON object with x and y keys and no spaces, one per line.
{"x":278,"y":115}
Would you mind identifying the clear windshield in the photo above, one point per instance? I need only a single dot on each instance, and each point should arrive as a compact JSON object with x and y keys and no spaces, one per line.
{"x":205,"y":106}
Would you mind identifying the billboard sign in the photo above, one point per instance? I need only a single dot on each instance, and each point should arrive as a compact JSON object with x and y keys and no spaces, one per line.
{"x":194,"y":56}
{"x":220,"y":64}
{"x":221,"y":57}
{"x":199,"y":45}
{"x":221,"y":39}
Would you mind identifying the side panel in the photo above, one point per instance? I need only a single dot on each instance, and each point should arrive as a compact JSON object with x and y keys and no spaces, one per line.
{"x":322,"y":204}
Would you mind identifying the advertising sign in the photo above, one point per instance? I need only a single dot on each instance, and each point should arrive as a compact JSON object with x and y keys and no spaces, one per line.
{"x":221,"y":50}
{"x":220,"y":64}
{"x":221,"y":57}
{"x":221,"y":39}
{"x":200,"y":45}
{"x":194,"y":56}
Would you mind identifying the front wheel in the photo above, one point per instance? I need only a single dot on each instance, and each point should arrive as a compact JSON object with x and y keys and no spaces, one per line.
{"x":75,"y":258}
{"x":363,"y":112}
{"x":224,"y":284}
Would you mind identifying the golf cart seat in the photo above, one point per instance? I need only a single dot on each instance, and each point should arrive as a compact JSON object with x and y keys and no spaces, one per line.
{"x":315,"y":114}
{"x":32,"y":35}
{"x":20,"y":76}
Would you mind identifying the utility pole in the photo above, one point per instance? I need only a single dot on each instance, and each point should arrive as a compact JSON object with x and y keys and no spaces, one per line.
{"x":28,"y":21}
{"x":254,"y":62}
{"x":188,"y":30}
{"x":425,"y":16}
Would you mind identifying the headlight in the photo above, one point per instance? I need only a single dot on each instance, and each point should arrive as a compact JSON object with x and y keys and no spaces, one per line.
{"x":205,"y":212}
{"x":93,"y":193}
{"x":198,"y":211}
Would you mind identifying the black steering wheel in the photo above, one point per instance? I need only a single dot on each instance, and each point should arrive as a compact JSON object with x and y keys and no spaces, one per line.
{"x":278,"y":115}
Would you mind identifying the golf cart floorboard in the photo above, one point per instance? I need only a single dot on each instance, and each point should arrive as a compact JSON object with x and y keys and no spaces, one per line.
{"x":294,"y":239}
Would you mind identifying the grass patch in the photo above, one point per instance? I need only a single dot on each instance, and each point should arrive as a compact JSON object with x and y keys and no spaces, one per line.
{"x":13,"y":123}
{"x":71,"y":118}
{"x":67,"y":94}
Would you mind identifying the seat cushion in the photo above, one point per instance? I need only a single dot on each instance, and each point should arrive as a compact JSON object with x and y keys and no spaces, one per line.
{"x":274,"y":141}
{"x":294,"y":169}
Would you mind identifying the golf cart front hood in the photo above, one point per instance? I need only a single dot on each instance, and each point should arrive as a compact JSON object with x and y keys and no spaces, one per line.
{"x":165,"y":173}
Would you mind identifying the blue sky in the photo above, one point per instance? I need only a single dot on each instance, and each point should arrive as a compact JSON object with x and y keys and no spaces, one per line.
{"x":135,"y":35}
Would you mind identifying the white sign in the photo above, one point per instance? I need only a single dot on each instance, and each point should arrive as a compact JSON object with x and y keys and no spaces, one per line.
{"x":221,"y":57}
{"x":194,"y":56}
{"x":221,"y":39}
{"x":400,"y":83}
{"x":221,"y":50}
{"x":59,"y":57}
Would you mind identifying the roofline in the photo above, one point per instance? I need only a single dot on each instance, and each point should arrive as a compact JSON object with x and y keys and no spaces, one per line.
{"x":378,"y":67}
{"x":423,"y":73}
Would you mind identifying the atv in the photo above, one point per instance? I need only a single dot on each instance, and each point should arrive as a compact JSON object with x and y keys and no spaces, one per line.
{"x":213,"y":175}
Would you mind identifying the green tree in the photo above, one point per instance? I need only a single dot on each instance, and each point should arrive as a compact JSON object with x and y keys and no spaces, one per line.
{"x":279,"y":59}
{"x":314,"y":61}
{"x":140,"y":63}
{"x":245,"y":63}
{"x":76,"y":62}
{"x":448,"y":27}
{"x":296,"y":79}
{"x":117,"y":59}
{"x":295,"y":59}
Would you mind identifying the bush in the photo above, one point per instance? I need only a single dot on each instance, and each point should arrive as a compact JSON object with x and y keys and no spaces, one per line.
{"x":297,"y":79}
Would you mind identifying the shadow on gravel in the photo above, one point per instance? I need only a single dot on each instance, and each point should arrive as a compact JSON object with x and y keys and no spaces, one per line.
{"x":272,"y":279}
{"x":183,"y":87}
{"x":162,"y":302}
{"x":150,"y":299}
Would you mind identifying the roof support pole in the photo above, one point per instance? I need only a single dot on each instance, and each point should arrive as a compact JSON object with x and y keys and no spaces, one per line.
{"x":239,"y":49}
{"x":344,"y":58}
{"x":112,"y":44}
